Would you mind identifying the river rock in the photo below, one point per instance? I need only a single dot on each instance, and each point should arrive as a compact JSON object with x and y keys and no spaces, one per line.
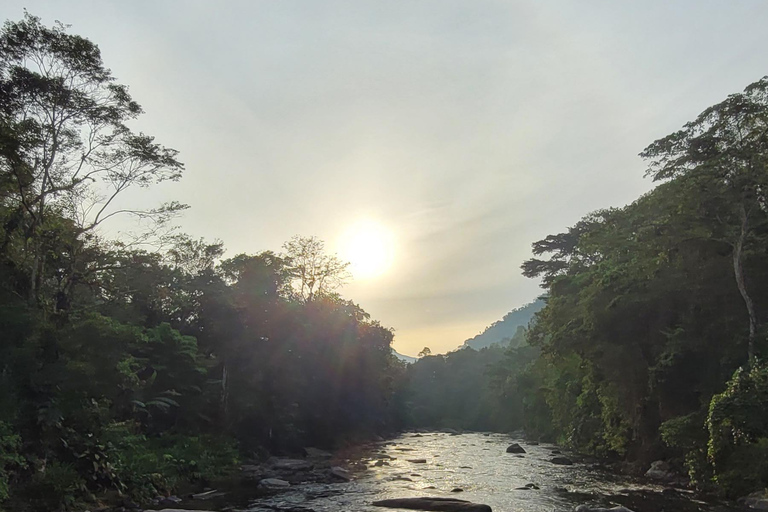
{"x":341,"y":473}
{"x":457,"y":489}
{"x":562,"y":461}
{"x":585,"y":508}
{"x":315,"y":453}
{"x":292,"y":464}
{"x":515,"y":448}
{"x":437,"y":504}
{"x":274,"y":483}
{"x":418,"y":461}
{"x":757,"y":500}
{"x":661,"y":470}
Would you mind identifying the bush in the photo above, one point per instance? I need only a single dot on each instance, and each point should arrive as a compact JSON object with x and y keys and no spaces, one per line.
{"x":56,"y":486}
{"x":10,"y":443}
{"x":688,"y":435}
{"x":738,"y":432}
{"x":147,"y":466}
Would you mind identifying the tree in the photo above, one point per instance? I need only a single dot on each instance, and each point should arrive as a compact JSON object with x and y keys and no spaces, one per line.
{"x":314,"y":272}
{"x":425,"y":352}
{"x":65,"y":148}
{"x":723,"y":155}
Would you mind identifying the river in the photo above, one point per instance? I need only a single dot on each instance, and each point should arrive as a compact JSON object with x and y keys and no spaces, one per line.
{"x":478,"y":464}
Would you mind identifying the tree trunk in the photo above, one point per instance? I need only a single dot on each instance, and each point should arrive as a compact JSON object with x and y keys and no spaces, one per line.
{"x":738,"y":269}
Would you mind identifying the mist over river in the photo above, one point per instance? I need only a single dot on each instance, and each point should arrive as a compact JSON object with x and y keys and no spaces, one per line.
{"x":477,"y":463}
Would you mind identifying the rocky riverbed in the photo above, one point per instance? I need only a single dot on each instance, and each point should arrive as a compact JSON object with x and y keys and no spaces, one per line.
{"x":495,"y":470}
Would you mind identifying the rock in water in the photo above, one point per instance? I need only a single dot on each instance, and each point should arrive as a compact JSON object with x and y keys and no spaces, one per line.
{"x":437,"y":504}
{"x":515,"y":448}
{"x":418,"y":461}
{"x":341,"y":473}
{"x":562,"y":461}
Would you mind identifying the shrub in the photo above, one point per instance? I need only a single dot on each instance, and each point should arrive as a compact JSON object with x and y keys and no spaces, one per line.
{"x":10,"y":443}
{"x":738,"y":432}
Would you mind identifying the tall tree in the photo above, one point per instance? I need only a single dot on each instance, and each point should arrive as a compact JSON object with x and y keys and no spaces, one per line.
{"x":723,"y":156}
{"x":66,"y":150}
{"x":314,"y":272}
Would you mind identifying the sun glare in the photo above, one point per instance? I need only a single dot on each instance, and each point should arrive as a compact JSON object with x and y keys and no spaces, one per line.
{"x":369,"y":248}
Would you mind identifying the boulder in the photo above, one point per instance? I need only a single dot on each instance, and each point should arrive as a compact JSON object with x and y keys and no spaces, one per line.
{"x":274,"y":483}
{"x":341,"y":473}
{"x":437,"y":504}
{"x":662,"y":471}
{"x":515,"y":448}
{"x":562,"y":461}
{"x":756,"y":501}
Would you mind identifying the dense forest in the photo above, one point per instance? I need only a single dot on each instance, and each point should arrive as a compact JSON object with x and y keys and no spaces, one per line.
{"x":138,"y":364}
{"x":133,"y":369}
{"x":652,"y":339}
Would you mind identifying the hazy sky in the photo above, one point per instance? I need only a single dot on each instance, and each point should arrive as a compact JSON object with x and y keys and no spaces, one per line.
{"x":467,"y":129}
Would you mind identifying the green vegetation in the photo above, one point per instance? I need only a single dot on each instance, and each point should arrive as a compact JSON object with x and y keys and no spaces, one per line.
{"x":651,"y":341}
{"x":651,"y":308}
{"x":132,"y":372}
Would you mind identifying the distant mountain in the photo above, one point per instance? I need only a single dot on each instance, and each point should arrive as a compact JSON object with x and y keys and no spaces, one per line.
{"x":508,"y":328}
{"x":403,"y":357}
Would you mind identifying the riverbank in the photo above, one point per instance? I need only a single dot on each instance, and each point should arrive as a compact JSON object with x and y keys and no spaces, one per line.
{"x":471,"y":466}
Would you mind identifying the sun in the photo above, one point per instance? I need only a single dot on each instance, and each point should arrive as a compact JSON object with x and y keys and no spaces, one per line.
{"x":369,"y":248}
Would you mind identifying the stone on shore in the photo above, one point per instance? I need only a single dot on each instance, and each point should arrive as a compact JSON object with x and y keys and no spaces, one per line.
{"x":756,"y":501}
{"x":662,"y":471}
{"x":274,"y":483}
{"x":437,"y":504}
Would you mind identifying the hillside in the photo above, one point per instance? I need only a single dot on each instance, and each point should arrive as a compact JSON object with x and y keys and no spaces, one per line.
{"x":505,"y":329}
{"x":403,"y":357}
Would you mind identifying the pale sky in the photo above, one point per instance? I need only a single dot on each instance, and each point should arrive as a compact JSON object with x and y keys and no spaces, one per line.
{"x":465,"y":130}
